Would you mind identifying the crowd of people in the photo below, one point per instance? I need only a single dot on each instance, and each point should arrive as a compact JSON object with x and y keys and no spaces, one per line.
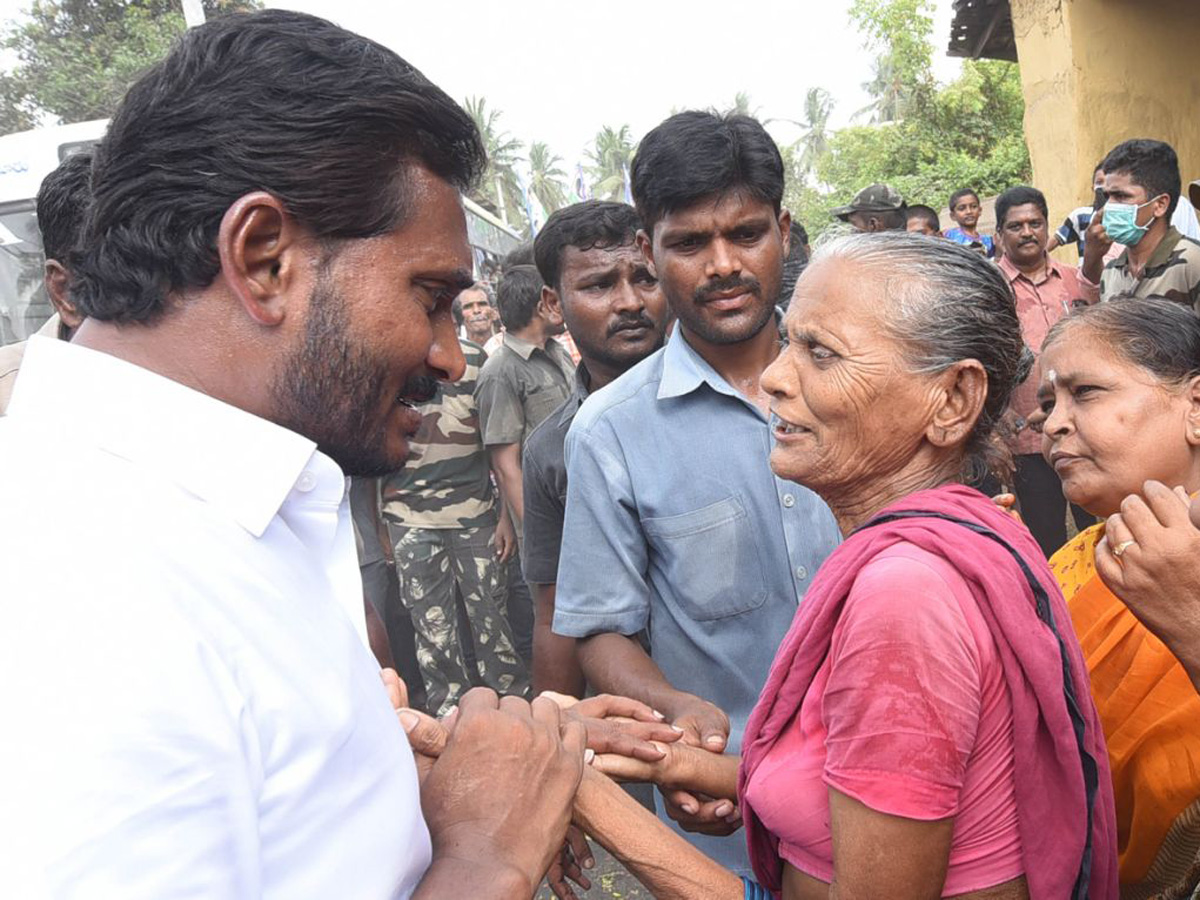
{"x":877,"y":558}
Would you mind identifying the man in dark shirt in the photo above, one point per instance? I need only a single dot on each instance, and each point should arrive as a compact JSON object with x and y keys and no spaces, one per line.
{"x":597,"y":278}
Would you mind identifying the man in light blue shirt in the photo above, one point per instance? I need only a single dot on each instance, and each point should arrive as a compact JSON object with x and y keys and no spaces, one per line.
{"x":674,"y":521}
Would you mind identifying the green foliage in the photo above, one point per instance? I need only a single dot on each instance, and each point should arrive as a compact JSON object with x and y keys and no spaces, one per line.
{"x":76,"y":58}
{"x":547,"y":180}
{"x":499,"y":190}
{"x":968,"y":133}
{"x":610,"y":154}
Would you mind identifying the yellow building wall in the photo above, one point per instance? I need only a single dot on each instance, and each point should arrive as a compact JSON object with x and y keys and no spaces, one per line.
{"x":1098,"y":72}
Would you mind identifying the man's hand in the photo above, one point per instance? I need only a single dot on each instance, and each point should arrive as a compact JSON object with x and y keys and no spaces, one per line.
{"x":618,"y":725}
{"x":703,"y":724}
{"x":1096,"y":244}
{"x":502,"y":788}
{"x":1150,"y":558}
{"x":572,"y":859}
{"x":702,"y":814}
{"x":506,"y":538}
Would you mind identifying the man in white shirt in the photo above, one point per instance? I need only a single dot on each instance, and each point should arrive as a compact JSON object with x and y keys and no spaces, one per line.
{"x":275,"y":239}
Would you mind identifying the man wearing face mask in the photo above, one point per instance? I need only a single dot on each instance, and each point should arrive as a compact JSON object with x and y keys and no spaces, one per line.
{"x":1142,"y":184}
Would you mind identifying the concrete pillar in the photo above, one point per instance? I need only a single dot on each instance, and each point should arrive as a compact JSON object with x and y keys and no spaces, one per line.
{"x":1097,"y":72}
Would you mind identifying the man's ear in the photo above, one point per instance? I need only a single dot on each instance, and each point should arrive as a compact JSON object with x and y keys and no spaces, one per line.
{"x":785,"y":230}
{"x":265,"y":258}
{"x":646,"y":245}
{"x":58,"y":284}
{"x":962,"y":392}
{"x":551,"y":301}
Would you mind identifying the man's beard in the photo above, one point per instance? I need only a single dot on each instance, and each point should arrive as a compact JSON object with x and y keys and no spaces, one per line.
{"x":691,"y":317}
{"x":332,"y":390}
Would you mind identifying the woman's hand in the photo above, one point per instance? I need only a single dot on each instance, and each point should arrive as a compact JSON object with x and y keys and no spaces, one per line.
{"x":618,"y":725}
{"x":1150,"y":558}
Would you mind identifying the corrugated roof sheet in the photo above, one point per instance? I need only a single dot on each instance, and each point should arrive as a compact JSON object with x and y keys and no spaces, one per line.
{"x":983,"y":29}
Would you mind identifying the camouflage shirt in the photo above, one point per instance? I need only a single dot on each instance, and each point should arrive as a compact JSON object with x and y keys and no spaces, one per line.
{"x":1171,"y":273}
{"x":446,"y":482}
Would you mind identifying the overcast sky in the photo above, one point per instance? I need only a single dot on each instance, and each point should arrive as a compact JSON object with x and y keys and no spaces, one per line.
{"x":560,"y":70}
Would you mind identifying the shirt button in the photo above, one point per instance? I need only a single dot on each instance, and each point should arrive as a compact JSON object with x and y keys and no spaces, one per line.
{"x":789,"y":501}
{"x":801,"y":573}
{"x":306,"y":482}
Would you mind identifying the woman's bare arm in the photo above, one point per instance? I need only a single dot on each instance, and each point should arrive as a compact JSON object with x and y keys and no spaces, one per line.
{"x":670,"y":867}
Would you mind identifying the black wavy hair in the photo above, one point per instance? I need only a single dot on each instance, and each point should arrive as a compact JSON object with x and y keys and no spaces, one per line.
{"x":62,"y":202}
{"x":325,"y":120}
{"x":693,"y":155}
{"x":592,"y":223}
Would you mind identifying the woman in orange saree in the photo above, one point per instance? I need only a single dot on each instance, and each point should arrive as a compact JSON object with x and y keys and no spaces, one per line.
{"x":1120,"y":392}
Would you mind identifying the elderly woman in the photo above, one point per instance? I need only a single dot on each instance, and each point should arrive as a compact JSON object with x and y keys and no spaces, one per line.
{"x":1121,"y":392}
{"x":926,"y":729}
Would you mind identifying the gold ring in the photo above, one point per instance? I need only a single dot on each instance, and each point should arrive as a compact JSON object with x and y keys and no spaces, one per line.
{"x":1121,"y":548}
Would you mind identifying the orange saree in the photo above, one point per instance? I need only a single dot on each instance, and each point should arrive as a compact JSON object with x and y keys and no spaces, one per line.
{"x":1150,"y":712}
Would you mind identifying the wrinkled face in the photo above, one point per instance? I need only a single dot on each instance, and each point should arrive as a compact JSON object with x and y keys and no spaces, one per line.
{"x":612,"y":305}
{"x":379,"y":334}
{"x":848,"y":412}
{"x":1024,"y":235}
{"x":1110,"y":425}
{"x":720,"y":262}
{"x":477,"y":313}
{"x":966,"y":211}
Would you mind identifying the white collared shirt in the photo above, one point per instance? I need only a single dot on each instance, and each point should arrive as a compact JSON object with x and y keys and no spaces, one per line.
{"x":189,"y":706}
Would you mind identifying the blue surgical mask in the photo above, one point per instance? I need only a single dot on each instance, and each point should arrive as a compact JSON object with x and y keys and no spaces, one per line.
{"x":1120,"y":221}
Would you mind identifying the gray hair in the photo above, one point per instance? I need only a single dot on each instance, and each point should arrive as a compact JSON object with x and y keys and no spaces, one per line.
{"x":946,"y":304}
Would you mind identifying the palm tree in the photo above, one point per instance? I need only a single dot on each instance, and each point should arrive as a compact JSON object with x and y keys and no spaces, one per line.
{"x":547,"y":181}
{"x":499,"y":188}
{"x":741,"y":106}
{"x":814,"y":143}
{"x":888,"y":91}
{"x":610,"y":154}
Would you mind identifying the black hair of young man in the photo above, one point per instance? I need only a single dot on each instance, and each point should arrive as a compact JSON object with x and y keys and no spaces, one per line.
{"x":517,"y":296}
{"x":1152,"y":165}
{"x":208,"y":125}
{"x":592,"y":223}
{"x":693,"y":155}
{"x":62,"y":202}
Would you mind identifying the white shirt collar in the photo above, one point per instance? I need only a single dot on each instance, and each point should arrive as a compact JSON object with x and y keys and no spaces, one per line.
{"x":240,"y":463}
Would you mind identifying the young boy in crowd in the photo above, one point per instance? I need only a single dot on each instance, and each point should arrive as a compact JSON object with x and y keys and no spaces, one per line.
{"x":923,"y":220}
{"x":964,"y":210}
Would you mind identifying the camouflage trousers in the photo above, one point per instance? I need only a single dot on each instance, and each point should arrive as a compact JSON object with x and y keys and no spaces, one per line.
{"x":434,"y":566}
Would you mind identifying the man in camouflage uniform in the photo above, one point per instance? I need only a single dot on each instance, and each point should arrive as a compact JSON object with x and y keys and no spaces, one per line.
{"x":448,"y":538}
{"x":1158,"y":262}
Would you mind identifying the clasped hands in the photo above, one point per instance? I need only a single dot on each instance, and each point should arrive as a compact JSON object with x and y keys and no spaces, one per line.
{"x":621,"y":737}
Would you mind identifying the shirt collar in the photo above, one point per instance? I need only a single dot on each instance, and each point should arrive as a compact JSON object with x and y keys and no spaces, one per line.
{"x":238,"y":462}
{"x":684,"y":370}
{"x":1158,"y":257}
{"x":1164,"y":248}
{"x":1012,"y":273}
{"x":520,"y":346}
{"x":583,"y":382}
